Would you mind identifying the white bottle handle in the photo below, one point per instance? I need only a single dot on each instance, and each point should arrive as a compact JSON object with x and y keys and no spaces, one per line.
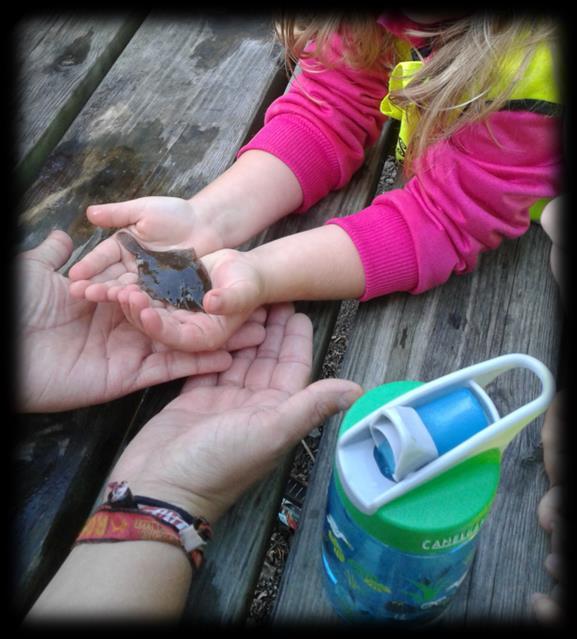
{"x":512,"y":423}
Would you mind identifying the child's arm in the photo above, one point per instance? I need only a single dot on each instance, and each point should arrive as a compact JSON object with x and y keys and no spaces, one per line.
{"x":313,"y":140}
{"x":318,"y":264}
{"x":323,"y":124}
{"x":469,"y":193}
{"x":256,"y":191}
{"x":322,"y":263}
{"x":468,"y":196}
{"x":252,"y":194}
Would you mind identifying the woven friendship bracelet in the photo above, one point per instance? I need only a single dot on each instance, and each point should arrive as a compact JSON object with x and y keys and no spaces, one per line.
{"x":109,"y":525}
{"x":127,"y":518}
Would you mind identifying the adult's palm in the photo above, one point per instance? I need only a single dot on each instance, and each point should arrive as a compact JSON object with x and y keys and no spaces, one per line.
{"x":75,"y":353}
{"x":225,"y":431}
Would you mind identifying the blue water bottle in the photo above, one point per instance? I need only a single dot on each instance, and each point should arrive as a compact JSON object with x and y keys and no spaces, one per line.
{"x":416,"y":470}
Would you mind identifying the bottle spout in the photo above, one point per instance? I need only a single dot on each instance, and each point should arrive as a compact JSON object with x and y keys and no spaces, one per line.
{"x":402,"y":442}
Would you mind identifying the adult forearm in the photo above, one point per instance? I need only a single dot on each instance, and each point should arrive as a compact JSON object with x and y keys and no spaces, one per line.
{"x":256,"y":191}
{"x":132,"y":580}
{"x":322,"y":263}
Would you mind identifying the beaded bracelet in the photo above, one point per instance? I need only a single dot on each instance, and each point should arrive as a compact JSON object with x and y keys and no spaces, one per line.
{"x":124,"y":517}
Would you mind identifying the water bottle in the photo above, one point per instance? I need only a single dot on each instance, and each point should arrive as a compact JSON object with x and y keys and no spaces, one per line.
{"x":416,"y":471}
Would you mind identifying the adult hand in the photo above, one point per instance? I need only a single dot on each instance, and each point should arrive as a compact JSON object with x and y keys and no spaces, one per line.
{"x":160,"y":223}
{"x":225,"y":431}
{"x":550,"y":608}
{"x":76,"y":353}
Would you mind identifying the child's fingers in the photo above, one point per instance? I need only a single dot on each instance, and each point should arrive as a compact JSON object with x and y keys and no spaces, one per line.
{"x":115,"y":286}
{"x":113,"y":280}
{"x":77,"y":289}
{"x":132,"y":302}
{"x":108,"y":291}
{"x":193,"y":333}
{"x":554,"y":566}
{"x":115,"y":214}
{"x":251,"y":333}
{"x":554,"y":451}
{"x":127,"y":308}
{"x":557,"y":261}
{"x":164,"y":329}
{"x":96,"y":292}
{"x":546,"y":609}
{"x":259,"y":315}
{"x":551,"y":220}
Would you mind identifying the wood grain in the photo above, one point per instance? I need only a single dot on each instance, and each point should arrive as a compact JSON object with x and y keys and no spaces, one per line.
{"x":168,"y":117}
{"x":61,"y":59}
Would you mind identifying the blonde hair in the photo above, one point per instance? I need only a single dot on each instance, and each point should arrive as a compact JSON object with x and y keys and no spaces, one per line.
{"x":451,"y":89}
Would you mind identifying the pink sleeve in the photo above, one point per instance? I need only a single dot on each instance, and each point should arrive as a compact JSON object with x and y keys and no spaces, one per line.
{"x":467,"y":196}
{"x":322,"y":125}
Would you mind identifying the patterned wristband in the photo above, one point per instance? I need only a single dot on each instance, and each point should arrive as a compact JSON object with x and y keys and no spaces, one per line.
{"x":127,"y":518}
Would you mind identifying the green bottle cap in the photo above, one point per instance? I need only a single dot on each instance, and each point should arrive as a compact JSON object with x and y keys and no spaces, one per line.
{"x":434,"y":517}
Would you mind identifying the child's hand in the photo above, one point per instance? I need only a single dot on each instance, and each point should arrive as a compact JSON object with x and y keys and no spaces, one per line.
{"x":238,"y":290}
{"x":161,"y":223}
{"x":238,"y":284}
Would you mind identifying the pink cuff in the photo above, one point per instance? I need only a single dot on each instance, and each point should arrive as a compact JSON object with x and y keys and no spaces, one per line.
{"x":386,"y":249}
{"x":304,"y":150}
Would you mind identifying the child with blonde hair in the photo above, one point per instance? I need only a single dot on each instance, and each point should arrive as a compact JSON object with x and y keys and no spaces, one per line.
{"x":479,"y":112}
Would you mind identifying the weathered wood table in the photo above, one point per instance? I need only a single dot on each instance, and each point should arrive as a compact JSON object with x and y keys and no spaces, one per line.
{"x":130,"y":105}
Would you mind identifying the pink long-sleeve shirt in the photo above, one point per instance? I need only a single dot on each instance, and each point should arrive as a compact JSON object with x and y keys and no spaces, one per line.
{"x":467,"y":195}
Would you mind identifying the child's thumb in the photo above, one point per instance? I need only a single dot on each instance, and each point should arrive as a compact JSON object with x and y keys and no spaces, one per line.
{"x":53,"y":251}
{"x":116,"y":214}
{"x":240,"y":297}
{"x":313,"y":405}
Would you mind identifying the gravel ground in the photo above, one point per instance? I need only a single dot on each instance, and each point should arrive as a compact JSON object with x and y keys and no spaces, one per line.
{"x":279,"y":544}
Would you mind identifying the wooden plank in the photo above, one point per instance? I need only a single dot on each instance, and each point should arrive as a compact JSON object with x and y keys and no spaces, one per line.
{"x":166,"y":119}
{"x":223,"y":588}
{"x":58,"y":464}
{"x":509,"y":304}
{"x":61,"y":59}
